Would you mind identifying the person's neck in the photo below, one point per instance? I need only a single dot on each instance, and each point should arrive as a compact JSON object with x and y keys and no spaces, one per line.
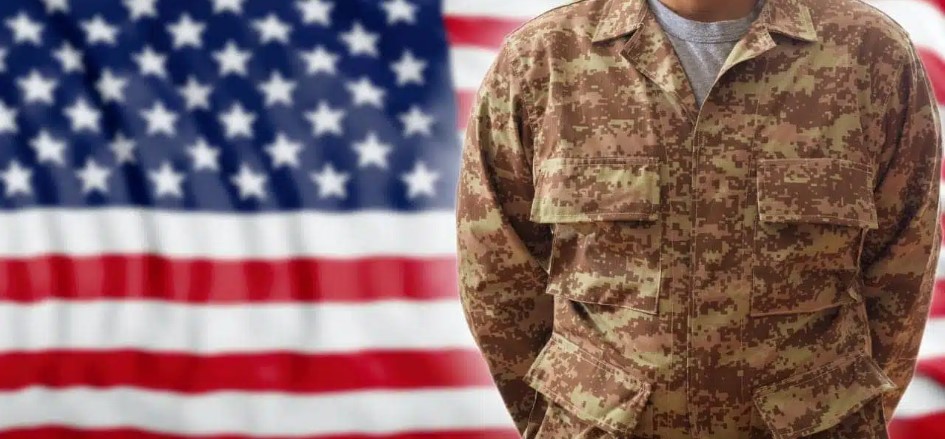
{"x":710,"y":10}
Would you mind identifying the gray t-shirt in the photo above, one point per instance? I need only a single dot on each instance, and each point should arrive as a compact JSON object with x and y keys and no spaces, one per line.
{"x":702,"y":46}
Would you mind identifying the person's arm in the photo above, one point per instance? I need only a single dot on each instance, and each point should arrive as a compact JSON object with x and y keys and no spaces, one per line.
{"x":502,"y":255}
{"x":900,"y":256}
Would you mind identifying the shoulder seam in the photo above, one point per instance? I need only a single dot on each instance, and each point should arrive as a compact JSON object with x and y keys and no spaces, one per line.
{"x":513,"y":31}
{"x":899,"y":27}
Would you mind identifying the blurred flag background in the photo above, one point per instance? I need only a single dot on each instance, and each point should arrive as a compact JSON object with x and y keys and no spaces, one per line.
{"x":233,"y":218}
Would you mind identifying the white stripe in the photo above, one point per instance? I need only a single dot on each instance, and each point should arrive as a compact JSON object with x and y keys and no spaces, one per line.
{"x":933,"y":339}
{"x":500,"y":8}
{"x":225,"y":236}
{"x":922,"y":397}
{"x":469,"y":66}
{"x":215,"y":329}
{"x":256,"y":414}
{"x":924,"y":22}
{"x":940,"y":270}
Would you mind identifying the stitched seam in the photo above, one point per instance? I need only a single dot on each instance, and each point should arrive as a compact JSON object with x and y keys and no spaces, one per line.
{"x":606,"y":159}
{"x":844,"y":300}
{"x":845,"y":163}
{"x":797,"y":216}
{"x":601,"y":215}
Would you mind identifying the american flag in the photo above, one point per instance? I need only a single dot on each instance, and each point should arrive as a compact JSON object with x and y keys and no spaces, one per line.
{"x":233,"y":218}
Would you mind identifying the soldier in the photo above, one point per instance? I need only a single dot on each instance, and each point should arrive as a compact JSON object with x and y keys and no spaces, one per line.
{"x":698,"y":219}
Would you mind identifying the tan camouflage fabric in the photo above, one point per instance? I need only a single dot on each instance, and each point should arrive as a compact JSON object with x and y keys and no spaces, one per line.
{"x":634,"y":266}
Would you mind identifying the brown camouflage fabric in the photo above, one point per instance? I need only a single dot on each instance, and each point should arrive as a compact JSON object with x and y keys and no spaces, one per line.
{"x":634,"y":266}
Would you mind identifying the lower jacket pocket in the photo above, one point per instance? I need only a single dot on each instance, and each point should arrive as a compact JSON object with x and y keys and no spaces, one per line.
{"x":586,"y":388}
{"x":818,"y":399}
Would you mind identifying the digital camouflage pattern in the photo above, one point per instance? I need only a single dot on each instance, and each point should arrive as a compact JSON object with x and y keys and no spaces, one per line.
{"x":633,"y":266}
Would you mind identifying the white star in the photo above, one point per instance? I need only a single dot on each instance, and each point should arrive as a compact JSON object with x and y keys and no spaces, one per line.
{"x":186,"y":32}
{"x":272,"y":29}
{"x":399,"y":10}
{"x":48,"y":148}
{"x":25,"y":29}
{"x":320,"y":60}
{"x":7,"y":118}
{"x":238,"y":122}
{"x":97,"y":30}
{"x":416,"y":121}
{"x":360,"y":41}
{"x":141,"y":8}
{"x":234,"y":6}
{"x":284,"y":152}
{"x":3,"y":59}
{"x":250,"y":184}
{"x":204,"y":156}
{"x":167,"y":181}
{"x":325,"y":120}
{"x":315,"y":11}
{"x":69,"y":58}
{"x":372,"y":152}
{"x":83,"y":116}
{"x":409,"y":69}
{"x":94,"y":177}
{"x":195,"y":94}
{"x":56,"y":6}
{"x":277,"y":90}
{"x":231,"y":59}
{"x":123,"y":148}
{"x":366,"y":93}
{"x":36,"y":88}
{"x":330,"y":182}
{"x":16,"y":180}
{"x":160,"y":120}
{"x":420,"y":181}
{"x":151,"y":62}
{"x":111,"y":87}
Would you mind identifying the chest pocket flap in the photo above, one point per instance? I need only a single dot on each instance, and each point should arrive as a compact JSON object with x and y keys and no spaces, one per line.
{"x":816,"y":190}
{"x":586,"y":189}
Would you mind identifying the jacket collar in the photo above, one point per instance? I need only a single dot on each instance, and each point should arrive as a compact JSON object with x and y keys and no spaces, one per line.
{"x":787,"y":17}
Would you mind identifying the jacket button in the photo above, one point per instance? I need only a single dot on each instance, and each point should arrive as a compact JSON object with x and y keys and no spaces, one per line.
{"x":854,"y":293}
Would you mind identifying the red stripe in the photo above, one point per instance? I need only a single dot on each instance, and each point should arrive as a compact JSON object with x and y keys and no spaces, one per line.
{"x":937,"y":309}
{"x":478,"y":31}
{"x":933,"y":368}
{"x":935,"y":67}
{"x":940,"y":4}
{"x":218,"y":281}
{"x":464,"y":103}
{"x":248,"y":372}
{"x":923,"y":427}
{"x":68,"y":433}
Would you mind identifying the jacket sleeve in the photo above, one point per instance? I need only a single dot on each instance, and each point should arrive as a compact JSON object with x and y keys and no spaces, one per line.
{"x":899,"y":258}
{"x":501,"y":254}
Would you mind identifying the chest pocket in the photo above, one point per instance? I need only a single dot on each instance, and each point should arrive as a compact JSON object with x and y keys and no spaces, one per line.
{"x":605,"y":213}
{"x":813,"y":214}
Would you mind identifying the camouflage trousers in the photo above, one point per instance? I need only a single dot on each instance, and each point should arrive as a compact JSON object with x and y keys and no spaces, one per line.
{"x":552,"y":421}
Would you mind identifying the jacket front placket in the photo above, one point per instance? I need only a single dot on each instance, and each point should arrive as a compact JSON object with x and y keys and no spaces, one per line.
{"x":708,"y":229}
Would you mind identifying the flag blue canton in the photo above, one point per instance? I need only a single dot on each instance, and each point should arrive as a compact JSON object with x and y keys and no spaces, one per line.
{"x":226,"y":105}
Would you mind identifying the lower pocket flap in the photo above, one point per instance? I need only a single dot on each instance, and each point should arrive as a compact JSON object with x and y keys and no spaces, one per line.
{"x":817,"y":399}
{"x":592,"y":390}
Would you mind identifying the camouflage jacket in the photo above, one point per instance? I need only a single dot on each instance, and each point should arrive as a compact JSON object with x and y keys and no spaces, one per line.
{"x":632,"y":265}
